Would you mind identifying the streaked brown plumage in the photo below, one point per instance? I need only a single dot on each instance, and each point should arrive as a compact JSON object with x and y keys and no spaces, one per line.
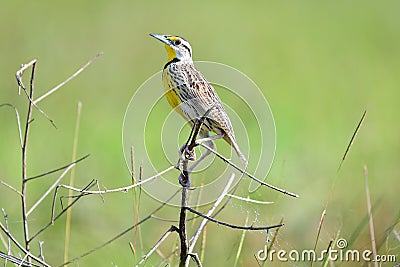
{"x":191,"y":95}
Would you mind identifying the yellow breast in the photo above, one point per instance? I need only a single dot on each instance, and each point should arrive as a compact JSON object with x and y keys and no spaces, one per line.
{"x":171,"y":91}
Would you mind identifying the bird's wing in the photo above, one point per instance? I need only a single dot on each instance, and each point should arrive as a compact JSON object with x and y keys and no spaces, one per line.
{"x":203,"y":99}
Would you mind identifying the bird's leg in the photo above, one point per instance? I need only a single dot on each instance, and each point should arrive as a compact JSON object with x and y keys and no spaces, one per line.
{"x":186,"y":154}
{"x":209,"y":141}
{"x":209,"y":138}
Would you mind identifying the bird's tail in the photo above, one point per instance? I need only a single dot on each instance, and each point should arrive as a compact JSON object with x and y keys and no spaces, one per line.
{"x":232,"y":142}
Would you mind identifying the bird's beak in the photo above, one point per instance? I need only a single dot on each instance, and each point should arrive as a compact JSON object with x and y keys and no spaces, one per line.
{"x":161,"y":38}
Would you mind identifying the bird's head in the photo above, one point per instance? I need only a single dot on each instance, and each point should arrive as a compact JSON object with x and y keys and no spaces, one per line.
{"x":177,"y":47}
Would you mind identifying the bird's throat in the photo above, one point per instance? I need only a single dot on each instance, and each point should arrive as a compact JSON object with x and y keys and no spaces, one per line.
{"x":171,"y":53}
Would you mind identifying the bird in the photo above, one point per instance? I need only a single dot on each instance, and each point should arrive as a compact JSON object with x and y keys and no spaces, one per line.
{"x":192,"y":96}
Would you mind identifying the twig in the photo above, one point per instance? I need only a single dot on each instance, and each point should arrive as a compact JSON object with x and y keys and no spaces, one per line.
{"x":196,"y":259}
{"x":24,"y":151}
{"x":159,"y":242}
{"x":39,"y":109}
{"x":210,"y":212}
{"x":135,"y":201}
{"x":252,"y":228}
{"x":184,"y":180}
{"x":58,"y":169}
{"x":182,"y":227}
{"x":248,"y":199}
{"x":8,"y":239}
{"x":139,"y":197}
{"x":12,"y":188}
{"x":273,"y":238}
{"x":56,"y":182}
{"x":18,"y":76}
{"x":122,"y":233}
{"x":20,"y":72}
{"x":69,"y":78}
{"x":248,"y":174}
{"x":18,"y":120}
{"x":41,"y":255}
{"x":26,"y":252}
{"x":54,"y":218}
{"x":16,"y":260}
{"x":92,"y":183}
{"x":121,"y":189}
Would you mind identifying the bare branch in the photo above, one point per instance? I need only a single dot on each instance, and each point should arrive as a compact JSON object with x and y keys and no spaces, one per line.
{"x":56,"y":182}
{"x":26,"y":252}
{"x":248,"y":199}
{"x":58,"y":169}
{"x":54,"y":218}
{"x":69,"y":79}
{"x":182,"y":226}
{"x":39,"y":109}
{"x":159,"y":242}
{"x":252,"y":228}
{"x":8,"y":245}
{"x":210,"y":212}
{"x":18,"y":120}
{"x":20,"y":72}
{"x":24,"y":148}
{"x":122,"y":233}
{"x":271,"y":244}
{"x":16,"y":260}
{"x":41,"y":255}
{"x":248,"y":174}
{"x":11,"y":187}
{"x":195,"y":257}
{"x":121,"y":189}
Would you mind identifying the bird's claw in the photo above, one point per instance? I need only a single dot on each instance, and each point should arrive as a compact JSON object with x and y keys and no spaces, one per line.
{"x":186,"y":154}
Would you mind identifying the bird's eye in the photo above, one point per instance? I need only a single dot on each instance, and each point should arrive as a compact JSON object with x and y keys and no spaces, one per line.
{"x":177,"y":42}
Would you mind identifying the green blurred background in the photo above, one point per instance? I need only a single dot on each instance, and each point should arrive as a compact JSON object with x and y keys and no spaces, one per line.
{"x":320,"y":64}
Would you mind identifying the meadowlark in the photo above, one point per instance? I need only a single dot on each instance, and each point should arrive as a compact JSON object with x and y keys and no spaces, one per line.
{"x":192,"y":96}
